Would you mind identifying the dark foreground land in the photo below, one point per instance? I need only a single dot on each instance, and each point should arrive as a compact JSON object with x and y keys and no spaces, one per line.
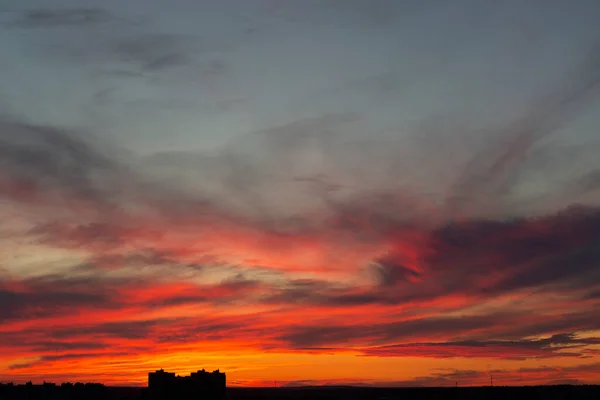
{"x":333,"y":393}
{"x":484,"y":393}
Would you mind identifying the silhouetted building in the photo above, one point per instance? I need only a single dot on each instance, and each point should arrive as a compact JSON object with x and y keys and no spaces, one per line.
{"x":160,"y":384}
{"x":199,"y":385}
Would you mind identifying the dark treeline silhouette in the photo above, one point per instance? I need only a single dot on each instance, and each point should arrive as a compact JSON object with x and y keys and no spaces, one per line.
{"x":51,"y":391}
{"x":559,"y":392}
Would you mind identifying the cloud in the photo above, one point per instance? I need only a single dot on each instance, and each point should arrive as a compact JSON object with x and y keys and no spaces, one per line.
{"x":444,"y":380}
{"x":45,"y":360}
{"x":570,"y":318}
{"x":93,"y":235}
{"x":492,"y":172}
{"x":114,"y":45}
{"x":39,"y":301}
{"x":324,"y":334}
{"x":414,"y":265}
{"x":294,"y":239}
{"x":54,"y":346}
{"x":51,"y":18}
{"x":590,"y":182}
{"x":38,"y":161}
{"x":533,"y":376}
{"x":595,"y":294}
{"x":121,"y":330}
{"x":389,"y":273}
{"x":521,"y":252}
{"x":152,"y":52}
{"x":559,"y":345}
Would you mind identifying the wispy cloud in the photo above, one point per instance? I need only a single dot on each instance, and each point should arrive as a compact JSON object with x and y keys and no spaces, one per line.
{"x":298,"y":240}
{"x":68,"y":17}
{"x":560,"y":345}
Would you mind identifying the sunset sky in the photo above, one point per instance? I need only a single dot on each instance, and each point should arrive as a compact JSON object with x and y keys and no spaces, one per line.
{"x":383,"y":192}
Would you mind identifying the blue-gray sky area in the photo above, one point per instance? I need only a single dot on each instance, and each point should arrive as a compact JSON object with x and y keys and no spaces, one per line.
{"x":430,"y":165}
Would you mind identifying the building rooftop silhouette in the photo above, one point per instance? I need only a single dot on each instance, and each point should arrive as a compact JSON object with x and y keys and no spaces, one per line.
{"x":198,"y":385}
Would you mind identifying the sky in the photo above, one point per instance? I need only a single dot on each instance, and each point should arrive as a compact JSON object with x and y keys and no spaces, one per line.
{"x":391,"y":193}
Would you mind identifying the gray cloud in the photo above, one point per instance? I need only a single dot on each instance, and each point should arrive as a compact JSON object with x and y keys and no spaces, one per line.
{"x":56,"y":357}
{"x":492,"y":172}
{"x":55,"y":295}
{"x":525,"y":253}
{"x":390,"y":273}
{"x":542,"y":375}
{"x":26,"y":305}
{"x":123,"y":330}
{"x":240,"y":184}
{"x":594,"y":294}
{"x":571,"y":321}
{"x":556,"y":252}
{"x":150,"y":53}
{"x":47,"y":159}
{"x":590,"y":182}
{"x":456,"y":255}
{"x":50,"y":166}
{"x":323,"y":335}
{"x":558,"y":345}
{"x":50,"y":18}
{"x":113,"y":45}
{"x":95,"y":235}
{"x":57,"y":346}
